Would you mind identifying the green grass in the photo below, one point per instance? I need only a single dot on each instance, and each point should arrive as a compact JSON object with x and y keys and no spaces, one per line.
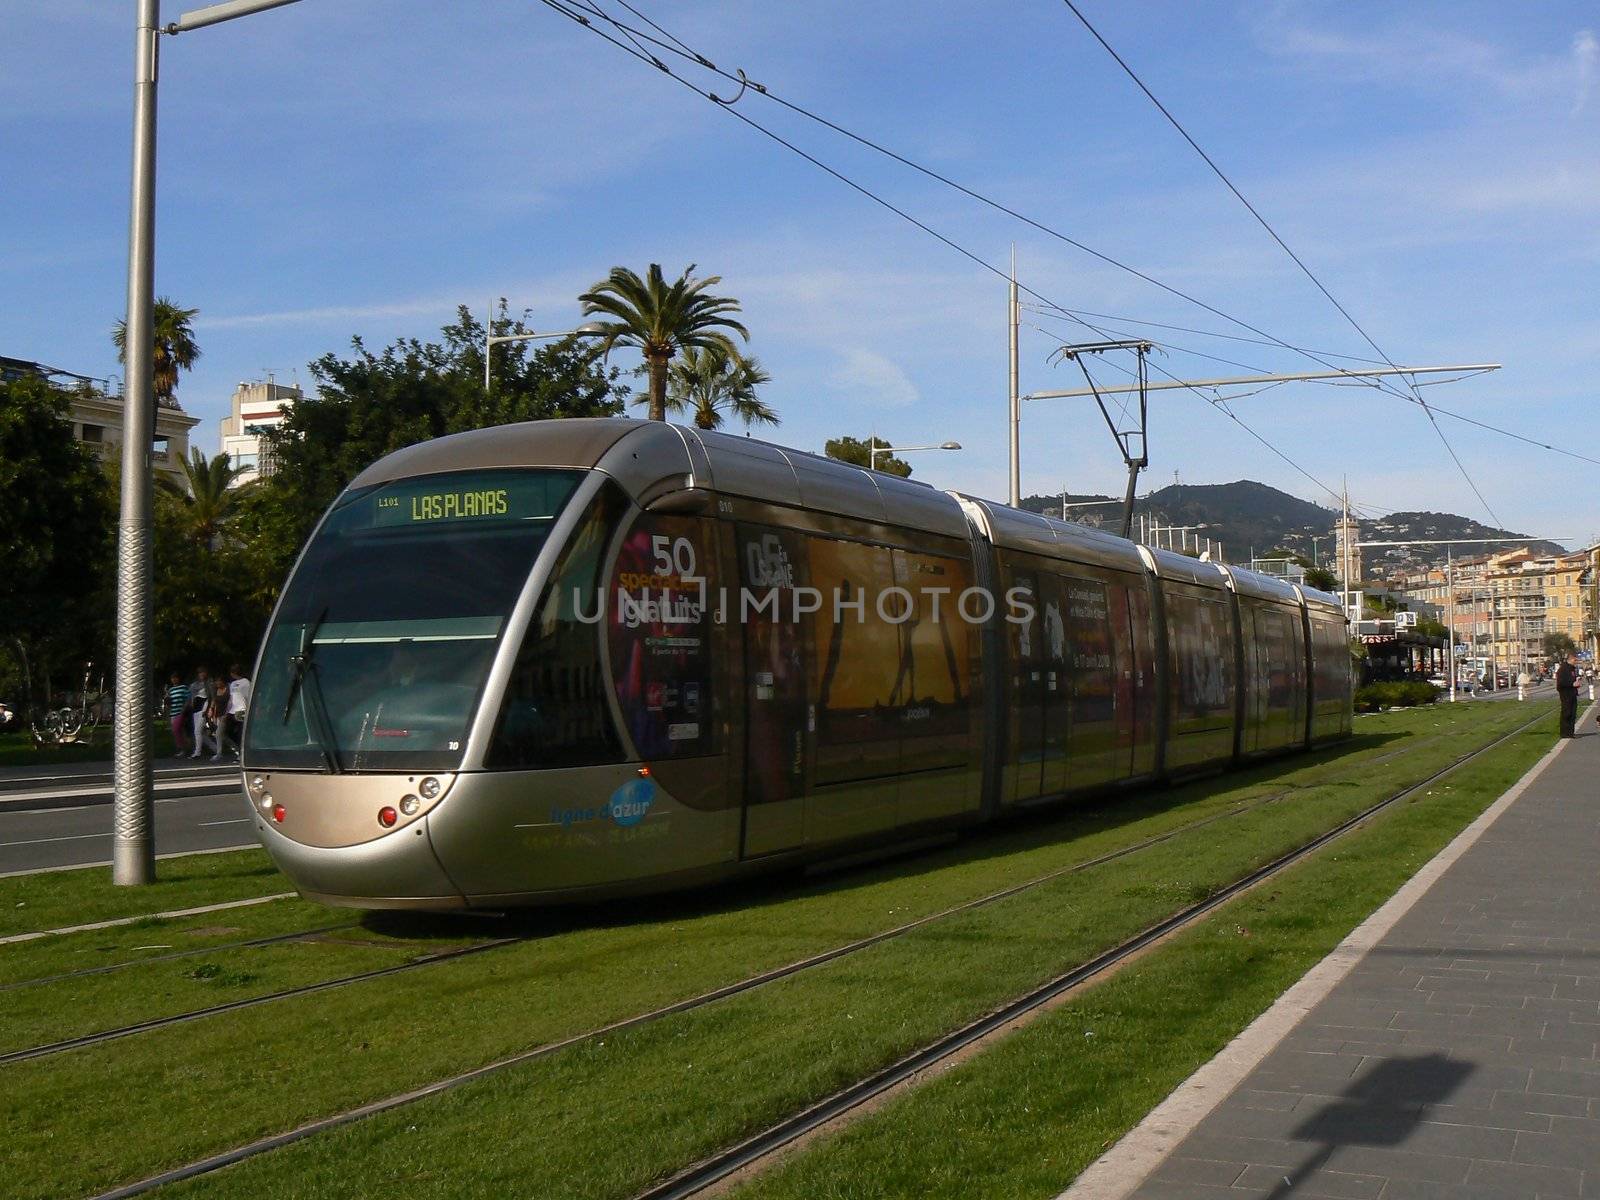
{"x":604,"y":1119}
{"x":1028,"y":1115}
{"x":600,"y":1119}
{"x":57,"y":899}
{"x":53,"y":1012}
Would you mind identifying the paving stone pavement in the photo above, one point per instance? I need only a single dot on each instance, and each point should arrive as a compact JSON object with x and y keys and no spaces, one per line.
{"x":1458,"y":1058}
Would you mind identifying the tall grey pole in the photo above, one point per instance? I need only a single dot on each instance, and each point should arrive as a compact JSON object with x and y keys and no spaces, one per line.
{"x":1014,"y":319}
{"x":133,"y":800}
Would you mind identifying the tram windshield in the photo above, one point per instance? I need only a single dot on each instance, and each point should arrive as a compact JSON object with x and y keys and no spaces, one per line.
{"x":385,"y":636}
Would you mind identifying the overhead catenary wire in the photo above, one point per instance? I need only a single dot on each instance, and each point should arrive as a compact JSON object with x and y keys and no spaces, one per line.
{"x":682,"y":51}
{"x":1273,"y":233}
{"x":1211,"y":333}
{"x":591,"y":7}
{"x":1319,"y":356}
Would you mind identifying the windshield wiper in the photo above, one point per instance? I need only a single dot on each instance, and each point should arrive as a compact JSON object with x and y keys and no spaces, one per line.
{"x":305,"y":680}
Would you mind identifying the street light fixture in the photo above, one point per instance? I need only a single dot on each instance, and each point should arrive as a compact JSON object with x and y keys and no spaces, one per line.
{"x":494,"y":339}
{"x":872,"y":455}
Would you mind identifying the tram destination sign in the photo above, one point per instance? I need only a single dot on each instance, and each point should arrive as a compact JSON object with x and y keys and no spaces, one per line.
{"x":482,"y":496}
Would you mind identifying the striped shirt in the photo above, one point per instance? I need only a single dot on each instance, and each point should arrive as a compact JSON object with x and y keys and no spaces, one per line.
{"x":177,"y":698}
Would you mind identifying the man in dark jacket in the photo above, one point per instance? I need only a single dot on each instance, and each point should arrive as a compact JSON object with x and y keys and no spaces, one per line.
{"x":1567,"y":689}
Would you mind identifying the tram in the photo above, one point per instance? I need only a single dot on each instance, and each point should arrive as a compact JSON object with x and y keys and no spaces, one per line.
{"x":575,"y":659}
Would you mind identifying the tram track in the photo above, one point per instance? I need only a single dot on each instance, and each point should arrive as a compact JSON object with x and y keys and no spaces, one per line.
{"x":750,"y":1153}
{"x":213,"y":948}
{"x":108,"y":1035}
{"x":794,"y":968}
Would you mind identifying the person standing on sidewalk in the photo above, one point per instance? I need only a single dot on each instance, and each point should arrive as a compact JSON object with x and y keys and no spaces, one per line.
{"x":238,"y":706}
{"x":1567,"y":689}
{"x":178,"y":714}
{"x":199,"y":697}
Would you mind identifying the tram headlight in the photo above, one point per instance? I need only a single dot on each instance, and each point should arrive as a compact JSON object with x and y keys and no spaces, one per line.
{"x":258,"y":784}
{"x":266,"y":802}
{"x":409,"y":805}
{"x":427,"y":789}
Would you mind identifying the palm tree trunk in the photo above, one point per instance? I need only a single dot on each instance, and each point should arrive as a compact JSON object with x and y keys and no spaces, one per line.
{"x":658,"y":387}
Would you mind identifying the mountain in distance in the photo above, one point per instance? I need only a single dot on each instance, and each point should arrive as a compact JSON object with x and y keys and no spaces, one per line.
{"x":1249,"y":517}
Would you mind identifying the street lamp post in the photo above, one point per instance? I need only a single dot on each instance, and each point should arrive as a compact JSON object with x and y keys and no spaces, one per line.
{"x":872,"y":454}
{"x":133,"y":857}
{"x":492,"y":339}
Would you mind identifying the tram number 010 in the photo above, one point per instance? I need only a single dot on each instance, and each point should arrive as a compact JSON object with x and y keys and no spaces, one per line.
{"x":674,"y":556}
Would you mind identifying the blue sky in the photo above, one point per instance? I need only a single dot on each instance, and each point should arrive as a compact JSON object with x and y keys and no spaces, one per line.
{"x":343,"y":167}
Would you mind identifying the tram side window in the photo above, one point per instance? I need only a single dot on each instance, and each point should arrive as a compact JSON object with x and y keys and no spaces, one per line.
{"x":858,"y":671}
{"x":663,"y":635}
{"x":1329,"y":644}
{"x":1094,"y":682}
{"x":555,"y":712}
{"x":1202,"y":650}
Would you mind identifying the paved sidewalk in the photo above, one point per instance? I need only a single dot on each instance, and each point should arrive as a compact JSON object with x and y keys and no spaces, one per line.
{"x":1458,"y":1057}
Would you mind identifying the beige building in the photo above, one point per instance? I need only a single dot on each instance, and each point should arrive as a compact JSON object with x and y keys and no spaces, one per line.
{"x":96,"y":416}
{"x":1534,"y":595}
{"x":97,"y":422}
{"x":1506,"y":603}
{"x":255,"y":408}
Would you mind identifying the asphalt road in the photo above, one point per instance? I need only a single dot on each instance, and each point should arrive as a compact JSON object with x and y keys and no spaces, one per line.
{"x":61,"y":817}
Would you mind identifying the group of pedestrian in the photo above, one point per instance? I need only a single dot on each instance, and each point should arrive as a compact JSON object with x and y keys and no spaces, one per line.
{"x":208,"y":713}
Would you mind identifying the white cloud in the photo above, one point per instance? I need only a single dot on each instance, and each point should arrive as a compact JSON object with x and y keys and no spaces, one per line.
{"x":313,"y":316}
{"x":870,"y":379}
{"x":1585,"y":50}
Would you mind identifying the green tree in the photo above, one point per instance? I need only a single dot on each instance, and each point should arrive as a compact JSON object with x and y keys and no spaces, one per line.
{"x":367,"y":405}
{"x":662,"y":320}
{"x":1318,"y":577}
{"x":1559,"y":645}
{"x":207,"y":499}
{"x":56,"y":537}
{"x":709,"y":383}
{"x":1322,"y":579}
{"x":853,"y":450}
{"x":175,"y":348}
{"x":212,"y":593}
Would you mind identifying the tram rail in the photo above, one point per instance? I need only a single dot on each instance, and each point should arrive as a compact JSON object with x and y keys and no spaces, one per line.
{"x":793,"y":968}
{"x":701,"y":1177}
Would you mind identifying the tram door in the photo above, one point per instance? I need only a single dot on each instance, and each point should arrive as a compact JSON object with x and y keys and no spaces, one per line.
{"x":1027,"y":686}
{"x":778,"y":727}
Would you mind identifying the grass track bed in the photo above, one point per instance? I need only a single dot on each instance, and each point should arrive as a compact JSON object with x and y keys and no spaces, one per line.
{"x":1027,"y":1116}
{"x":56,"y":899}
{"x":598,"y":1120}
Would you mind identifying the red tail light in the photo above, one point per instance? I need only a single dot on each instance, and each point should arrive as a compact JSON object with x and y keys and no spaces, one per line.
{"x":387,"y":816}
{"x":279,"y":813}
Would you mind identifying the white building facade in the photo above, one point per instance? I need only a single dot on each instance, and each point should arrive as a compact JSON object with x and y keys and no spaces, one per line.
{"x":256,"y":407}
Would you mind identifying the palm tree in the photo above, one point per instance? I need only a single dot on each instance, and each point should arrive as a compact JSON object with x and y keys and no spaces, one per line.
{"x":662,"y":319}
{"x":207,"y":495}
{"x":175,"y":348}
{"x":710,"y":382}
